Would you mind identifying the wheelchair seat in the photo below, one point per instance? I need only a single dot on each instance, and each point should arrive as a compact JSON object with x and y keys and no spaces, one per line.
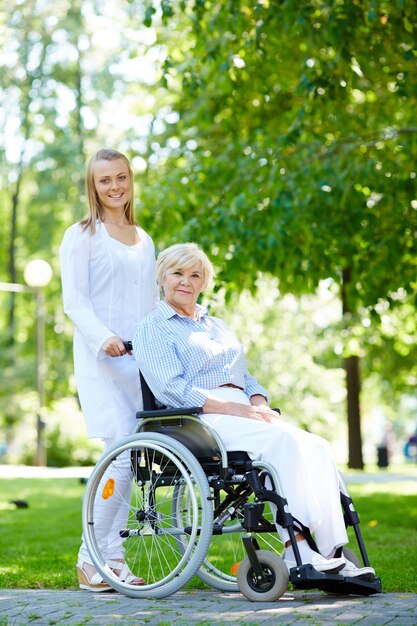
{"x":199,"y":441}
{"x":191,"y":434}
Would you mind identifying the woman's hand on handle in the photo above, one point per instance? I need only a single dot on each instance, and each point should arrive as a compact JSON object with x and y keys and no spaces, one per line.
{"x":114,"y":346}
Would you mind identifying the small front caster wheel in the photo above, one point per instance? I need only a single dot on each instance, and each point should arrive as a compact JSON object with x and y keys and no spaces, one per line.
{"x":272,"y":587}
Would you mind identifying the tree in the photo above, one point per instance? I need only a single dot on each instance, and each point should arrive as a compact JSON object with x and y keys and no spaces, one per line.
{"x":294,"y":150}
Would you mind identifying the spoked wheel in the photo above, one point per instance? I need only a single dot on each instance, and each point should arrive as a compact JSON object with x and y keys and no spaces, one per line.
{"x":128,"y":509}
{"x":352,"y":556}
{"x":226,"y":550}
{"x":276,"y":578}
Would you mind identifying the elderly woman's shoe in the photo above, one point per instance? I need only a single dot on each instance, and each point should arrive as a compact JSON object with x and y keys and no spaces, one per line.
{"x":122,"y":571}
{"x":330,"y":566}
{"x":89,"y":580}
{"x":350,"y":570}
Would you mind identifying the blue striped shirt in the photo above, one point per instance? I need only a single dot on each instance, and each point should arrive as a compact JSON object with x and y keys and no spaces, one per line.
{"x":182,"y":359}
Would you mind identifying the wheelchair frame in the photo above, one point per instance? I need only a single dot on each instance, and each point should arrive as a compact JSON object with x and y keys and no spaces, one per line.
{"x":179,"y":471}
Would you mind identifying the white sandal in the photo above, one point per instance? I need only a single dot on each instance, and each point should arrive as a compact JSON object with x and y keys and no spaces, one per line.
{"x":123,"y":572}
{"x":95,"y":583}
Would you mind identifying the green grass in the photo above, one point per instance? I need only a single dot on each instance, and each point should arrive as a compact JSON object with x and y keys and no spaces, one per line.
{"x":388,"y":515}
{"x":39,"y":544}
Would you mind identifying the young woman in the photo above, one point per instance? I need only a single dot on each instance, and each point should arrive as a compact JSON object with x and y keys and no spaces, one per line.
{"x":109,"y":285}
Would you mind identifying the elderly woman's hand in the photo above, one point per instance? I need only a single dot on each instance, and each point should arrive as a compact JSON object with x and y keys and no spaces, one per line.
{"x":261,"y":412}
{"x":260,"y":402}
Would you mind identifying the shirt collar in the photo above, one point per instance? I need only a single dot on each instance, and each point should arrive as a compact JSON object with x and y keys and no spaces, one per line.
{"x":168,"y":312}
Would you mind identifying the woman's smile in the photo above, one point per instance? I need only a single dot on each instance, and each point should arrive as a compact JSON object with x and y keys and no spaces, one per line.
{"x":182,"y":288}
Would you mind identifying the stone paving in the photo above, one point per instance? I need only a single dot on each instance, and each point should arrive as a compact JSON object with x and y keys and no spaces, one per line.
{"x":205,"y":607}
{"x":23,"y":607}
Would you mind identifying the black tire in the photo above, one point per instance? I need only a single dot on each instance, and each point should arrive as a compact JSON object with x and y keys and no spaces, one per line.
{"x":276,"y":571}
{"x":151,"y":532}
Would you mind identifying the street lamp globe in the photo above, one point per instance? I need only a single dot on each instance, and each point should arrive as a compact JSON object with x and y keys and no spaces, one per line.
{"x":37,"y":273}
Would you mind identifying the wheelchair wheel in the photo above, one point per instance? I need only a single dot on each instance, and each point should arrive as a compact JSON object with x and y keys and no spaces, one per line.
{"x":226,"y":550}
{"x":352,"y":556}
{"x":132,"y":488}
{"x":276,"y":574}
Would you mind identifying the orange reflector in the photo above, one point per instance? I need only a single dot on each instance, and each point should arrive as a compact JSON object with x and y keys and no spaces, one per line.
{"x":108,"y":490}
{"x":234,"y":568}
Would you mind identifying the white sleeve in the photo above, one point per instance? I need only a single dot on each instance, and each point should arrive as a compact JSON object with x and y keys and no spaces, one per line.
{"x":74,"y":256}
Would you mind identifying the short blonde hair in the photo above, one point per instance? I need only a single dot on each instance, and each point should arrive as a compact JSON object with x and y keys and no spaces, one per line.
{"x":96,"y":211}
{"x":183,"y":256}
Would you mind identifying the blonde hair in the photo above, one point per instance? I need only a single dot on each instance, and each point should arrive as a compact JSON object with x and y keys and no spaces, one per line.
{"x":96,"y":210}
{"x":183,"y":256}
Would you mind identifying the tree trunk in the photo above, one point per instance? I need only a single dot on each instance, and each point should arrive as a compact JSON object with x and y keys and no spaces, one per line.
{"x":353,"y":412}
{"x":12,"y":259}
{"x":353,"y":385}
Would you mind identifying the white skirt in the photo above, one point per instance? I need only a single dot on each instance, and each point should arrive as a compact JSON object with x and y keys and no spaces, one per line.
{"x":304,"y":463}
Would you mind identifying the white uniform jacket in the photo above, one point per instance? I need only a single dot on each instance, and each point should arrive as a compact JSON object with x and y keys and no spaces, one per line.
{"x":108,"y":287}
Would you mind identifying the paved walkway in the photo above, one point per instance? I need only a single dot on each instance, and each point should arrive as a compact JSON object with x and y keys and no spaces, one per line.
{"x":203,"y":608}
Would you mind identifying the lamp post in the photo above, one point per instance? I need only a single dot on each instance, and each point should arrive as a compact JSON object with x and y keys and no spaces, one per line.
{"x":37,"y":275}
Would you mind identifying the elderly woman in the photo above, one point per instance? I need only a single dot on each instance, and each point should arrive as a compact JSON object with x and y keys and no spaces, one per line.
{"x":190,"y":358}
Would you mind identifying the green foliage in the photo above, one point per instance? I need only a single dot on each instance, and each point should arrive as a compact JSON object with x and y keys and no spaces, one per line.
{"x":294,"y":151}
{"x":285,"y":350}
{"x":295,"y":143}
{"x":64,"y":435}
{"x":66,"y":439}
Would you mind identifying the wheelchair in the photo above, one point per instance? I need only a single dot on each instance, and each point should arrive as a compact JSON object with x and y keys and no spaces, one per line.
{"x":192,"y":508}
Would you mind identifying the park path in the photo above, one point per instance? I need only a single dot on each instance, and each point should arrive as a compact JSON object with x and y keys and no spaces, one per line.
{"x":203,"y":608}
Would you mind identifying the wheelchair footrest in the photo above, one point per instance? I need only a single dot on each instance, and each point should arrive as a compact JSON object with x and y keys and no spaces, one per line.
{"x":355,"y":586}
{"x":306,"y":577}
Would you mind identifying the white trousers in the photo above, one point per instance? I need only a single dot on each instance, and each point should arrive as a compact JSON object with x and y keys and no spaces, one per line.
{"x":304,"y":464}
{"x":111,"y":514}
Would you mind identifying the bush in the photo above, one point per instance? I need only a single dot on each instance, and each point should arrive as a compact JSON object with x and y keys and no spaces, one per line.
{"x":65,"y":437}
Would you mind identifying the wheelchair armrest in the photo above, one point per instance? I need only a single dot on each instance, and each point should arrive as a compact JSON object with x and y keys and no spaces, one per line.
{"x":192,"y":410}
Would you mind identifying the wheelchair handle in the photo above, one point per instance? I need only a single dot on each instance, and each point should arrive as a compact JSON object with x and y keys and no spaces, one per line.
{"x":128,"y":345}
